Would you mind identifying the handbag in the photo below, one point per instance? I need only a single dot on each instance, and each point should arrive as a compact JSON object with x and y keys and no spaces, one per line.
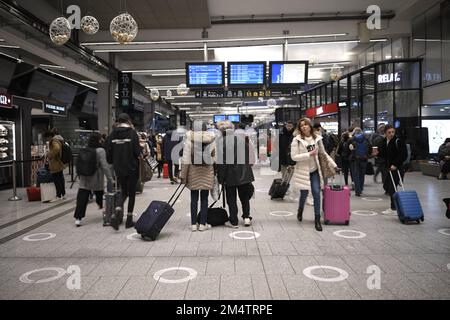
{"x":328,"y":170}
{"x":146,"y":172}
{"x":216,"y":216}
{"x":152,"y":163}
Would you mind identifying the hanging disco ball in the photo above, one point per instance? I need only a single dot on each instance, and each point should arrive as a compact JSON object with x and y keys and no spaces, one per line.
{"x":271,"y":103}
{"x":89,"y":25}
{"x":60,"y":31}
{"x":182,"y":90}
{"x":154,"y":94}
{"x":335,"y":72}
{"x":124,"y":28}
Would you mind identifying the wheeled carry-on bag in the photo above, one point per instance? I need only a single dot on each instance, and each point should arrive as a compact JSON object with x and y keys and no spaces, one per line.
{"x":155,"y":217}
{"x":48,"y":192}
{"x":336,"y":204}
{"x":407,"y":203}
{"x":112,"y":201}
{"x":281,"y":186}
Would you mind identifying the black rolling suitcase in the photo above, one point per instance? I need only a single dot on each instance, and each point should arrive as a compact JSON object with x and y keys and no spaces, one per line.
{"x":155,"y":217}
{"x":113,"y":200}
{"x":280,"y":186}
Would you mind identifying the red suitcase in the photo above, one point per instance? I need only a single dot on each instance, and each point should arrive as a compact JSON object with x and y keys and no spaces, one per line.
{"x":336,"y":204}
{"x":34,"y":194}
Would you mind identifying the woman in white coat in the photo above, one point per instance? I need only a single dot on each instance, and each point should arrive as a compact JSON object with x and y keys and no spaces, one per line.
{"x":307,"y":176}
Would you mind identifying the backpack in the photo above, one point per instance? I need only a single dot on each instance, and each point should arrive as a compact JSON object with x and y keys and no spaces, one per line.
{"x":66,"y":153}
{"x":87,"y":162}
{"x":361,"y":149}
{"x":408,"y":152}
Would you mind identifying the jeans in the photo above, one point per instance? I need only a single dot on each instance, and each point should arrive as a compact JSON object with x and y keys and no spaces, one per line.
{"x":127,"y":186}
{"x":358,"y":168}
{"x":315,"y":188}
{"x":82,"y":202}
{"x":203,"y":206}
{"x":245,"y":193}
{"x":58,"y":179}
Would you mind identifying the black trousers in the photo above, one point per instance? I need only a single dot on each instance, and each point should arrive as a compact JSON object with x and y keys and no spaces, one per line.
{"x":160,"y":168}
{"x":389,"y":187}
{"x":82,"y":202}
{"x":345,"y":170}
{"x":446,"y":167}
{"x":245,"y":193}
{"x":127,"y":186}
{"x":60,"y":184}
{"x":171,"y":173}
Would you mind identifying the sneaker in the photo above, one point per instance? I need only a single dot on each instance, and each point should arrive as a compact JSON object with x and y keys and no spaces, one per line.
{"x":78,"y":223}
{"x":55,"y":200}
{"x":64,"y":197}
{"x":390,"y":211}
{"x":247,"y":222}
{"x":208,"y":226}
{"x":202,"y":227}
{"x":229,"y":225}
{"x":194,"y":227}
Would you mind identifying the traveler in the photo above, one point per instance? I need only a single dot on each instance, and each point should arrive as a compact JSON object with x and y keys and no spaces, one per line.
{"x":55,"y":163}
{"x":286,"y":137}
{"x":91,"y":160}
{"x":197,"y":171}
{"x":159,"y":154}
{"x":444,"y":158}
{"x":170,"y":140}
{"x":377,"y":141}
{"x":143,"y":143}
{"x":123,"y":151}
{"x":361,"y":150}
{"x":305,"y":150}
{"x":235,"y":171}
{"x":344,"y":155}
{"x":327,"y":139}
{"x":394,"y":151}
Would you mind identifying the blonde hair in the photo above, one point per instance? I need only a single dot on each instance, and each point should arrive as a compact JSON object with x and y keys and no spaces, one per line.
{"x":225,"y":125}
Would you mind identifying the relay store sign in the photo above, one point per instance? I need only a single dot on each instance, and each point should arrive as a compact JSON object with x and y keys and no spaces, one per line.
{"x":5,"y":101}
{"x":389,"y":77}
{"x":322,"y":110}
{"x":54,"y":109}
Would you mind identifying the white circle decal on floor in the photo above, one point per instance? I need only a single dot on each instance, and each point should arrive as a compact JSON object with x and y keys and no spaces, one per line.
{"x":134,"y":236}
{"x":262,"y":190}
{"x":365,"y":213}
{"x":158,"y":275}
{"x":339,"y":233}
{"x":445,"y":231}
{"x":372,"y":199}
{"x":342,"y":274}
{"x":253,"y":235}
{"x":390,"y":214}
{"x":25,"y":277}
{"x":281,"y":213}
{"x":37,"y":237}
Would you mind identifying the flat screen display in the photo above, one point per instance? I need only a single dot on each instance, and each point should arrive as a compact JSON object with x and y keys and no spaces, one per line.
{"x":52,"y":89}
{"x":288,"y":73}
{"x":205,"y":75}
{"x":8,"y":68}
{"x":220,"y":117}
{"x":438,"y":131}
{"x":246,"y":74}
{"x":234,"y":118}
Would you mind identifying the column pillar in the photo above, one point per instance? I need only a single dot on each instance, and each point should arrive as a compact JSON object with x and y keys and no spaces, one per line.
{"x":106,"y":103}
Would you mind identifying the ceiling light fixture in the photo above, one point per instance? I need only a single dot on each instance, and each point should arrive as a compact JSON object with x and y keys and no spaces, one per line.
{"x":51,"y":66}
{"x":9,"y":46}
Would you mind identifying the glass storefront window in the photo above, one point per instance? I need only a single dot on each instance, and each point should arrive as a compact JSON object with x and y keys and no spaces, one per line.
{"x":368,"y":113}
{"x":407,"y":104}
{"x":433,"y":57}
{"x":385,"y":107}
{"x":368,"y":83}
{"x":377,"y":52}
{"x":355,"y":104}
{"x":387,"y":50}
{"x":385,"y":76}
{"x":445,"y":11}
{"x":418,"y":36}
{"x":408,"y":75}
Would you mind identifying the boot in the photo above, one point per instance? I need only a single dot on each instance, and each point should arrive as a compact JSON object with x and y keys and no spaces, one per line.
{"x":317,"y":224}
{"x":300,"y":214}
{"x":129,"y":224}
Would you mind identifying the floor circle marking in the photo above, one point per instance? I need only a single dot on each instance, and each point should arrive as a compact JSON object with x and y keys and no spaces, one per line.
{"x":339,"y":233}
{"x":60,"y":273}
{"x":372,"y":199}
{"x":365,"y":213}
{"x":342,"y":274}
{"x":254,"y":235}
{"x":158,"y":275}
{"x":31,"y":237}
{"x":134,"y":236}
{"x":277,"y":213}
{"x":445,"y":231}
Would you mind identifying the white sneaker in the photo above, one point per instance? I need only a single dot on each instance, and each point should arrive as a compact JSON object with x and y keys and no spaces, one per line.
{"x":247,"y":222}
{"x":202,"y":227}
{"x":390,"y":211}
{"x":64,"y":198}
{"x":78,"y":223}
{"x":229,"y":225}
{"x":208,"y":226}
{"x":55,"y":200}
{"x":194,"y":227}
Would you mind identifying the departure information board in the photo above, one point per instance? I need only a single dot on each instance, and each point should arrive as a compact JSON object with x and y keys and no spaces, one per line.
{"x":205,"y":74}
{"x":246,"y":74}
{"x":288,"y":73}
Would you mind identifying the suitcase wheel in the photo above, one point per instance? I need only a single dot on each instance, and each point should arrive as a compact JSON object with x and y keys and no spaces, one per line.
{"x":347,"y":223}
{"x":422,"y":219}
{"x":327,"y":222}
{"x":418,"y":221}
{"x":402,"y":221}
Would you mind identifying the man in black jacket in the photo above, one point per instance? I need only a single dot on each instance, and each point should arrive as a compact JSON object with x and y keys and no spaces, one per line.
{"x":394,"y":151}
{"x":286,"y":137}
{"x":123,"y":151}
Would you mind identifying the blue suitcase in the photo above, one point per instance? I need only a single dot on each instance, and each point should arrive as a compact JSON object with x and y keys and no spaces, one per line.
{"x":155,"y":217}
{"x":407,"y":203}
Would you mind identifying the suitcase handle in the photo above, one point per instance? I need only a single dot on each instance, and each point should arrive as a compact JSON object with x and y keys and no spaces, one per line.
{"x":400,"y":180}
{"x":341,"y":185}
{"x":176,"y":196}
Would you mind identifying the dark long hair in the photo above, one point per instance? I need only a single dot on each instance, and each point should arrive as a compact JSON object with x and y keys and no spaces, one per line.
{"x":95,"y":140}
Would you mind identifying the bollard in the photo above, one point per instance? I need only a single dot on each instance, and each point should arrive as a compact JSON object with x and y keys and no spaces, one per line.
{"x":14,"y":197}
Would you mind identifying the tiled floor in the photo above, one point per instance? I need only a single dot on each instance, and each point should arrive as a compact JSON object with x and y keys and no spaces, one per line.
{"x":413,"y":260}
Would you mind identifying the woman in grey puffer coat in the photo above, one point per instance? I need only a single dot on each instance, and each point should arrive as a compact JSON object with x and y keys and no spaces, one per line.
{"x":95,"y":182}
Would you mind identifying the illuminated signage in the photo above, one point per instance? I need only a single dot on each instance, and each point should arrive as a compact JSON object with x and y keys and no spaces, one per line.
{"x":389,"y":77}
{"x":54,"y":109}
{"x":5,"y":100}
{"x":326,"y":109}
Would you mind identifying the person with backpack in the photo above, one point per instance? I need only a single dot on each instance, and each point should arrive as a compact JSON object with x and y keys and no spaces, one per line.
{"x":123,"y":151}
{"x":197,"y":171}
{"x":91,"y":169}
{"x":394,"y":151}
{"x":344,"y":152}
{"x":58,"y":156}
{"x":361,"y":150}
{"x":235,"y":171}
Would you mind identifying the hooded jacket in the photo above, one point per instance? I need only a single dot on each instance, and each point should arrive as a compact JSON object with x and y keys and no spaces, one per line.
{"x":123,"y":150}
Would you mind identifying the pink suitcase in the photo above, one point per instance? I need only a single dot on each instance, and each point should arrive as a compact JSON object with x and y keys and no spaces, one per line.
{"x":336,"y":204}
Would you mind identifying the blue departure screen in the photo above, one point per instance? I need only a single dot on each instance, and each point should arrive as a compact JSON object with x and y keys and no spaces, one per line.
{"x":205,"y":74}
{"x":247,"y":74}
{"x":234,"y":118}
{"x":220,"y":117}
{"x":288,"y":73}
